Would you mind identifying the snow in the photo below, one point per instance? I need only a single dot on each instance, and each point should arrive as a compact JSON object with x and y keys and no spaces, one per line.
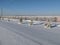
{"x":58,"y":25}
{"x":12,"y":33}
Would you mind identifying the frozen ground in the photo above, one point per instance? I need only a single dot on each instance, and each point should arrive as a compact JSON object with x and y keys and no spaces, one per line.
{"x":20,"y":34}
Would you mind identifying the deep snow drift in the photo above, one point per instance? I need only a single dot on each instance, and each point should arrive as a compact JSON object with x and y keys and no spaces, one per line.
{"x":12,"y":33}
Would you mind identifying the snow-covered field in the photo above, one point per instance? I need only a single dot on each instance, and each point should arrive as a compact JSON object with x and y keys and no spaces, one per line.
{"x":12,"y":33}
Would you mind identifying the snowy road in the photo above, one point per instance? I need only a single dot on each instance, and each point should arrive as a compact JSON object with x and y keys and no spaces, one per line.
{"x":14,"y":34}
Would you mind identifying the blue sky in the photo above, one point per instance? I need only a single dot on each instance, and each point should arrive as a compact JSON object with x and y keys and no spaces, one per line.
{"x":30,"y":7}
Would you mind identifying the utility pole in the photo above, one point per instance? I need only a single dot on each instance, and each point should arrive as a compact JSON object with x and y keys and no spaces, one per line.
{"x":1,"y":13}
